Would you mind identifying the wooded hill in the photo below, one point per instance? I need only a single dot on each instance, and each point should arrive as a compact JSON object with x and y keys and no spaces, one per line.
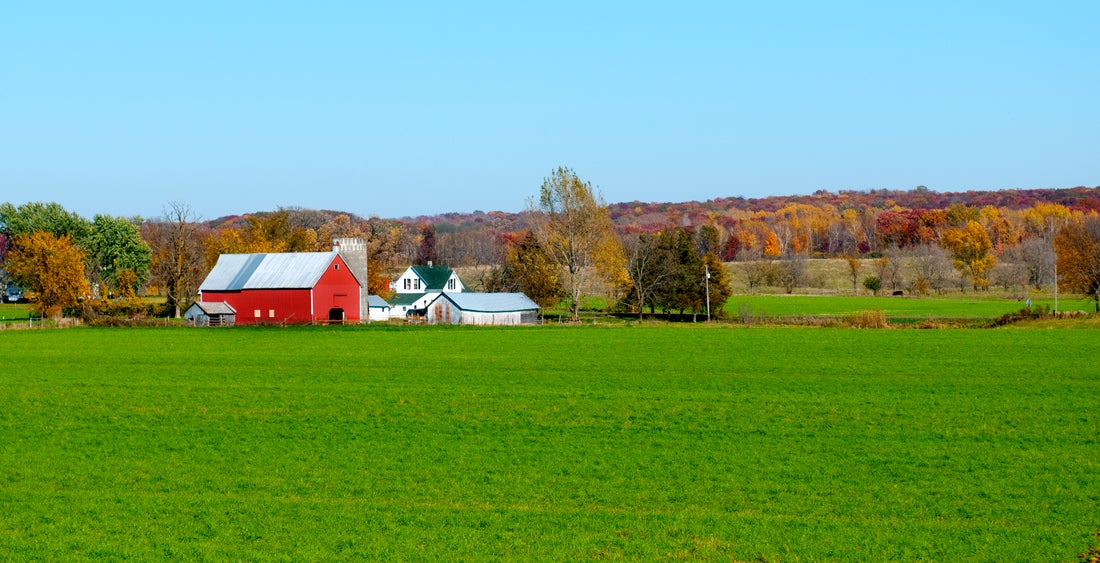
{"x":652,"y":216}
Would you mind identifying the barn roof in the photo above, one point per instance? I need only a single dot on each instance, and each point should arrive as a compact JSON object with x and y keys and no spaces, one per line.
{"x":435,"y":277}
{"x":214,"y":308}
{"x":492,"y":302}
{"x":285,"y":270}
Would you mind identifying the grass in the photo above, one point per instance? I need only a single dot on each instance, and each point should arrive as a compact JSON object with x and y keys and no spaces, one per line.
{"x":548,"y":443}
{"x":14,"y":312}
{"x":968,"y":305}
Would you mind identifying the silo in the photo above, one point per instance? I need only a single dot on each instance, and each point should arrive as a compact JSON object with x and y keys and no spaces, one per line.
{"x":354,"y":253}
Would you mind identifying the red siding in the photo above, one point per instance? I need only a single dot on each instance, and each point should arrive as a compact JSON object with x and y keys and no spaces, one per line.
{"x":336,"y":288}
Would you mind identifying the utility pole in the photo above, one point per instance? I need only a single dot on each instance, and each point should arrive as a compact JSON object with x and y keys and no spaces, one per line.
{"x":706,"y":280}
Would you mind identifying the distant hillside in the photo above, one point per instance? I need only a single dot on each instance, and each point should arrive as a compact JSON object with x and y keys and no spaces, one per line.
{"x":648,"y":216}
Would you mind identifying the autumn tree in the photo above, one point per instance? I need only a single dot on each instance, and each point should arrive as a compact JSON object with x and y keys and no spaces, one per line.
{"x":971,"y":248}
{"x":853,"y":271}
{"x":50,"y":266}
{"x":425,"y":244}
{"x":119,"y":257}
{"x":528,"y":269}
{"x":1078,"y":249}
{"x":340,"y":226}
{"x":175,"y":243}
{"x":573,"y":224}
{"x":385,"y":240}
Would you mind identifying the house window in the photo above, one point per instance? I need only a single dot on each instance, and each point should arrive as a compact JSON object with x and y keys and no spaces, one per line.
{"x":416,"y":283}
{"x":335,"y":266}
{"x":408,"y":283}
{"x":451,"y":283}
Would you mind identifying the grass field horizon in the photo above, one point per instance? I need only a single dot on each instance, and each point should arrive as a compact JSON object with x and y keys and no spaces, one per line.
{"x":550,"y":443}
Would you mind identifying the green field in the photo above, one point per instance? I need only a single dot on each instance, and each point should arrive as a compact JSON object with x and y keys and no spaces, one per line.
{"x":549,"y":443}
{"x":953,"y":306}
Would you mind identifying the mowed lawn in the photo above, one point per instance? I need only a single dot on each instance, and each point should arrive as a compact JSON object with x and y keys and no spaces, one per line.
{"x":549,"y":443}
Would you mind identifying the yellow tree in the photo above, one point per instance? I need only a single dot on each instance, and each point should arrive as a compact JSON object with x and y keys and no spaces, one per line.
{"x":50,"y":266}
{"x":971,"y":248}
{"x":573,"y":224}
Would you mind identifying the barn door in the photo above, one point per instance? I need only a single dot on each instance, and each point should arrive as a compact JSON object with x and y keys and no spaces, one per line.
{"x":336,"y":314}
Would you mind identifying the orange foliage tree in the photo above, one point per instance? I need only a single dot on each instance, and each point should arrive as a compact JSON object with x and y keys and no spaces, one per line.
{"x":50,"y":266}
{"x":1078,"y":248}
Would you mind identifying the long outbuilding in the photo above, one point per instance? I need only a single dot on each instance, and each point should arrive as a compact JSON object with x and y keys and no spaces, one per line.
{"x":482,"y":309}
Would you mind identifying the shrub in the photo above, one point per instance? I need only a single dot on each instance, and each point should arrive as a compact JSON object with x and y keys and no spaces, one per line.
{"x":1026,"y":313}
{"x":874,"y":318}
{"x":873,"y":284}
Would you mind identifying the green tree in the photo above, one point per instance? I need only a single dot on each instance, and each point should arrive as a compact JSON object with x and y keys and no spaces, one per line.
{"x":119,"y":256}
{"x":719,"y":286}
{"x":50,"y":266}
{"x":685,"y":287}
{"x":573,"y":224}
{"x":1078,"y":249}
{"x":49,"y":217}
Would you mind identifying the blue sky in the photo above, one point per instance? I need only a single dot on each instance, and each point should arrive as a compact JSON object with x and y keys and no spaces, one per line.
{"x":421,"y":108}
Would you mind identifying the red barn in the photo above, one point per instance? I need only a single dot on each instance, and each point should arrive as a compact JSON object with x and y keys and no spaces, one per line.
{"x":290,"y":287}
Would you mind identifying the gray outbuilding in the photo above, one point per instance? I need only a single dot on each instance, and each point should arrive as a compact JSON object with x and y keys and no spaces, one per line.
{"x":214,"y":313}
{"x":482,"y":309}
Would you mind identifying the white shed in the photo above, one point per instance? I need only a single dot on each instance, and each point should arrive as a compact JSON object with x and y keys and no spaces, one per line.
{"x":379,"y":308}
{"x":482,"y":309}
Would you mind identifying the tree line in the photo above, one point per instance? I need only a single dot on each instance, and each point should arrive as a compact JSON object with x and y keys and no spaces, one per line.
{"x":567,"y":240}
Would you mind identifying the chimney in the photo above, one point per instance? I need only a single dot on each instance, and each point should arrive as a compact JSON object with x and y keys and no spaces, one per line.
{"x":429,"y":263}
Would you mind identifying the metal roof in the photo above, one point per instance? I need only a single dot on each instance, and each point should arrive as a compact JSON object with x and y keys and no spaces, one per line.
{"x":492,"y":302}
{"x":286,"y":270}
{"x":377,"y":301}
{"x":214,"y":308}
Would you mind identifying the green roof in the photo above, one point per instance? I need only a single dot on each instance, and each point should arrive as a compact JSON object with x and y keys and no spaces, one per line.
{"x":405,"y":299}
{"x":435,"y":277}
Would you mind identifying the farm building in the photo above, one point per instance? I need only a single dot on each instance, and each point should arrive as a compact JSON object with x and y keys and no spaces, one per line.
{"x":482,"y":309}
{"x":210,"y":314}
{"x":419,"y":286}
{"x":379,"y":309}
{"x":292,"y":287}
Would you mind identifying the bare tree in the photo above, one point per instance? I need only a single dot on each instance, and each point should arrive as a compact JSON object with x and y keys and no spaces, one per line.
{"x":177,"y":264}
{"x":791,"y":271}
{"x":1037,"y":255}
{"x":649,"y":267}
{"x":930,"y":267}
